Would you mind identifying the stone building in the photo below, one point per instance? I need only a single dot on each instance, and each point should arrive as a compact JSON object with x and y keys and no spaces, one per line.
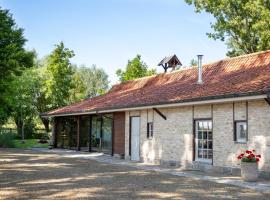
{"x":199,"y":117}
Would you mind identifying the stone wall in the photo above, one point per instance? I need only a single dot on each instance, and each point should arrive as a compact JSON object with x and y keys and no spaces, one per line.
{"x":173,"y":138}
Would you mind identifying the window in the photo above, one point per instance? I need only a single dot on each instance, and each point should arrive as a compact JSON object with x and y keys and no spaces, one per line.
{"x":240,"y":131}
{"x":203,"y":140}
{"x":150,"y":130}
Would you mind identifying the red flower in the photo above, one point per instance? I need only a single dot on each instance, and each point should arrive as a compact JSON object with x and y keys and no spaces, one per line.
{"x":252,"y":155}
{"x":247,"y":151}
{"x":257,"y":159}
{"x":242,"y":154}
{"x":258,"y":156}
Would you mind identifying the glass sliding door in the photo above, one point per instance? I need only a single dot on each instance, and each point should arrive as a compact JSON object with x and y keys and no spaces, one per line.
{"x":96,"y":136}
{"x":203,"y":141}
{"x":84,"y":133}
{"x":107,"y":134}
{"x":67,"y":133}
{"x":101,"y":139}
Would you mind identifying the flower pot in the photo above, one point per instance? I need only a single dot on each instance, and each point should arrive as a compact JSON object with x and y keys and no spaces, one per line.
{"x":249,"y":171}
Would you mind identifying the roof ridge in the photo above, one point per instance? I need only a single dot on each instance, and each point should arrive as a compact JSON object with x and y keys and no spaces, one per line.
{"x":191,"y":67}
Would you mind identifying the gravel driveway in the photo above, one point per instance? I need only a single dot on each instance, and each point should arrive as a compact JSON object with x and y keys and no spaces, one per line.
{"x":25,"y":174}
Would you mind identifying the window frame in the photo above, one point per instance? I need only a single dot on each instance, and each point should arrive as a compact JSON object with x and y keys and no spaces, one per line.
{"x":150,"y":132}
{"x":196,"y":145}
{"x":236,"y":139}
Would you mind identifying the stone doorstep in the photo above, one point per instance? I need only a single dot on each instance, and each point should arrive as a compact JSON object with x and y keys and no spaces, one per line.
{"x":263,"y":185}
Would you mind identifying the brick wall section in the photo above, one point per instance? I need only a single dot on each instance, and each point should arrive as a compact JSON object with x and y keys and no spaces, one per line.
{"x":173,"y":138}
{"x":119,"y":133}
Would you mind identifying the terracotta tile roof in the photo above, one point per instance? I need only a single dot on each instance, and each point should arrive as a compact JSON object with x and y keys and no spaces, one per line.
{"x":243,"y":75}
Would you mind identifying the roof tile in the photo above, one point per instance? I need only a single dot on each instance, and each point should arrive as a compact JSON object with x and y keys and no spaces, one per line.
{"x":244,"y":74}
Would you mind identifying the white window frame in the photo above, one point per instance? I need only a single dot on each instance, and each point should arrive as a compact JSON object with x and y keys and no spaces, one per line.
{"x":205,"y":160}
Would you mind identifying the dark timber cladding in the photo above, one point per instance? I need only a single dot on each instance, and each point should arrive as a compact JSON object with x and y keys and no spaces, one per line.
{"x":119,"y":133}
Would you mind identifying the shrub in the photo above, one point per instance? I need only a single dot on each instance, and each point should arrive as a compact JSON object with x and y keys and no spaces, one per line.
{"x":6,"y":140}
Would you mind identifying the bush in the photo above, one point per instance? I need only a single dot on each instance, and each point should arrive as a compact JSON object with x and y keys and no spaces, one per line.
{"x":6,"y":140}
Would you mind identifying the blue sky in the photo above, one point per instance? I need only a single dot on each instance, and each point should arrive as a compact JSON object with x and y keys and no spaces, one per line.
{"x":109,"y":32}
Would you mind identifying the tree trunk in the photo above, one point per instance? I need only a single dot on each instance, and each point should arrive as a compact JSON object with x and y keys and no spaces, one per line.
{"x":19,"y":126}
{"x":46,"y":124}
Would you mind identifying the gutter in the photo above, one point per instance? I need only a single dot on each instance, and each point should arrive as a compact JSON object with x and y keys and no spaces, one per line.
{"x":197,"y":101}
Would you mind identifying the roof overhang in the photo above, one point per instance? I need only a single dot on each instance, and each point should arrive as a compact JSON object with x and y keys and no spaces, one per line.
{"x":199,"y":101}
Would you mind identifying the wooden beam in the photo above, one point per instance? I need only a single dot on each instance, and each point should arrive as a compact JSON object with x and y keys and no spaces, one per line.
{"x":267,"y":99}
{"x":54,"y":132}
{"x":78,"y":133}
{"x":160,"y":113}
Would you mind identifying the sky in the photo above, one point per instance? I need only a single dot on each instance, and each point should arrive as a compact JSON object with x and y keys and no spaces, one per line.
{"x":110,"y":32}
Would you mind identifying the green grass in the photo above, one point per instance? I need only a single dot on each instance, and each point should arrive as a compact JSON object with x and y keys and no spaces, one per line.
{"x":29,"y":143}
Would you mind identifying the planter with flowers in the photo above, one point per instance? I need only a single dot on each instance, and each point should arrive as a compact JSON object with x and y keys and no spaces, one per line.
{"x":249,"y":165}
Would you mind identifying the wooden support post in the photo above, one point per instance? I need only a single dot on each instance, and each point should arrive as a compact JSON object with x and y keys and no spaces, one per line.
{"x":101,"y":133}
{"x":160,"y":113}
{"x":54,"y":132}
{"x":78,"y":133}
{"x":90,"y":135}
{"x":112,"y":131}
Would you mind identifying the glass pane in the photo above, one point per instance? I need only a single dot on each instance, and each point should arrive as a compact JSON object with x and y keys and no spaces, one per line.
{"x":209,"y":144}
{"x":210,"y":125}
{"x":205,"y":154}
{"x":210,"y":154}
{"x":95,"y":139}
{"x":210,"y":136}
{"x":205,"y":144}
{"x":200,"y":153}
{"x":107,"y":134}
{"x":199,"y":143}
{"x":200,"y":126}
{"x":84,"y":134}
{"x":205,"y":125}
{"x":204,"y":135}
{"x":199,"y":135}
{"x":241,"y":131}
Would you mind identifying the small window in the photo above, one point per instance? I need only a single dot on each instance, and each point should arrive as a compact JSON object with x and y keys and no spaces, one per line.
{"x":150,"y":130}
{"x":240,"y":132}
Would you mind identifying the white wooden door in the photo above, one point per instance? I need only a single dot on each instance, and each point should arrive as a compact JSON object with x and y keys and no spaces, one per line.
{"x":135,"y":138}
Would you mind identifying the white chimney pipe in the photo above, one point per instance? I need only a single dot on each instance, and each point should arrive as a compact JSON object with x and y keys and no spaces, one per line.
{"x":200,"y":81}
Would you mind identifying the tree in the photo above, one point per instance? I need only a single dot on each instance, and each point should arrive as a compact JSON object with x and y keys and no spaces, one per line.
{"x":88,"y":82}
{"x":193,"y":62}
{"x":243,"y":24}
{"x":24,"y":92}
{"x":135,"y":68}
{"x":60,"y":74}
{"x":13,"y":59}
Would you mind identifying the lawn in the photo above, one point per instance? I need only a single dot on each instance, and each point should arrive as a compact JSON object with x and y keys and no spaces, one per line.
{"x":29,"y":143}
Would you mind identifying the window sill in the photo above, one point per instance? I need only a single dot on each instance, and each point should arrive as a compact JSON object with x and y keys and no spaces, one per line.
{"x":235,"y":142}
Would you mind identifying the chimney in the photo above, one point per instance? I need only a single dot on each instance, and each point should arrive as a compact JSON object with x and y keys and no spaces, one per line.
{"x":200,"y":70}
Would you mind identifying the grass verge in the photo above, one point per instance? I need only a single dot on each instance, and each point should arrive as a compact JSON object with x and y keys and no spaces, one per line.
{"x":29,"y":143}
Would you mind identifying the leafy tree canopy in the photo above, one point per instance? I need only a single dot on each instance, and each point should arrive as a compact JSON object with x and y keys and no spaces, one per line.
{"x":24,"y":98}
{"x":244,"y":24}
{"x":88,"y":82}
{"x":13,"y":59}
{"x":60,"y":75}
{"x":135,"y":68}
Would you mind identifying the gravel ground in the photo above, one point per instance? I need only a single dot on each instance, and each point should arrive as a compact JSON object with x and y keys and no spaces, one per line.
{"x":26,"y":174}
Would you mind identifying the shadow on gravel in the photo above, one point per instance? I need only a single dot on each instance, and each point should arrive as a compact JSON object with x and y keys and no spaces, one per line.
{"x":33,"y":175}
